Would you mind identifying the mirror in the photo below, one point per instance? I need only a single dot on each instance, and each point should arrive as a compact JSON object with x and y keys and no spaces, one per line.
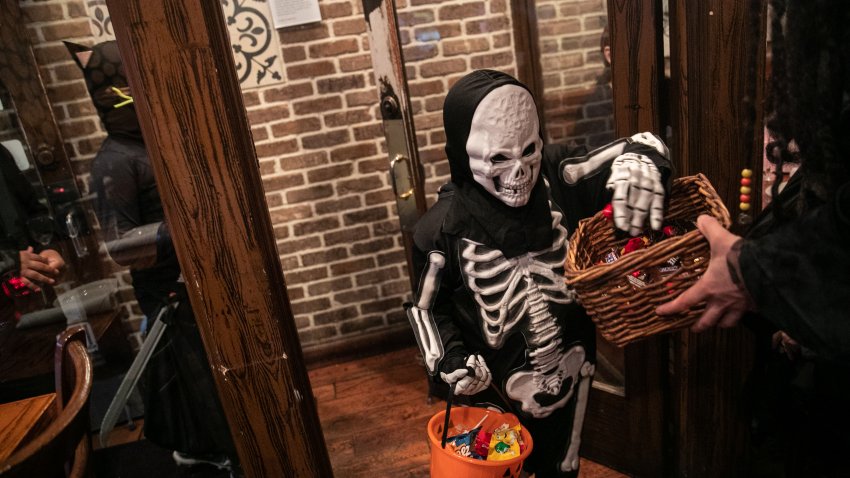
{"x":47,"y":217}
{"x":578,"y":110}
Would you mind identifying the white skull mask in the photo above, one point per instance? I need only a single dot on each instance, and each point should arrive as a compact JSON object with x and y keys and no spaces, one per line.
{"x":504,"y":144}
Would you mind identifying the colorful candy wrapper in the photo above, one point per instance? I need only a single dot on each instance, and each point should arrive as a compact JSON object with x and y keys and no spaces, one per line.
{"x":481,"y":445}
{"x":505,"y":443}
{"x":670,"y":266}
{"x":610,"y":256}
{"x":462,"y":444}
{"x":638,"y":279}
{"x":635,"y":244}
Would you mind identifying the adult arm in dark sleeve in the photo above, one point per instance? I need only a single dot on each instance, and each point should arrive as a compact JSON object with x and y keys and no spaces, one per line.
{"x":795,"y":276}
{"x":9,"y":261}
{"x":799,"y":277}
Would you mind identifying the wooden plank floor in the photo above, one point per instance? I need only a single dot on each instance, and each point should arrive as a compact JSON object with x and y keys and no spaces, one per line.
{"x":374,"y":412}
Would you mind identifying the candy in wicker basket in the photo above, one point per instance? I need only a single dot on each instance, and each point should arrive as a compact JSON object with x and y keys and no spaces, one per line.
{"x":622,"y":311}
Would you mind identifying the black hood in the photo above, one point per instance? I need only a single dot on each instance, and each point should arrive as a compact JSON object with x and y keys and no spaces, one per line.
{"x":476,"y":214}
{"x":458,"y":110}
{"x":104,"y":71}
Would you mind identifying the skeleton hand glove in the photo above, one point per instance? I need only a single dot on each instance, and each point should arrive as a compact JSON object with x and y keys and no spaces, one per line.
{"x":638,"y":192}
{"x":470,"y":373}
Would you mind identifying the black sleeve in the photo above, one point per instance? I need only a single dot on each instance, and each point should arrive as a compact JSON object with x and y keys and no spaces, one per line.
{"x":116,"y":184}
{"x":10,"y":260}
{"x":799,"y":277}
{"x":577,"y":201}
{"x":588,"y":195}
{"x":664,"y":165}
{"x":18,"y":203}
{"x":20,"y":187}
{"x":428,"y":238}
{"x":117,"y":181}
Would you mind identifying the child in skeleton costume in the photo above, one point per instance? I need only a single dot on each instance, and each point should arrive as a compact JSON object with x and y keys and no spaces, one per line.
{"x":492,"y":314}
{"x":182,"y":410}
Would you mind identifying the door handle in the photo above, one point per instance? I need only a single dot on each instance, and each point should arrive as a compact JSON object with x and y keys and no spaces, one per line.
{"x":401,"y":181}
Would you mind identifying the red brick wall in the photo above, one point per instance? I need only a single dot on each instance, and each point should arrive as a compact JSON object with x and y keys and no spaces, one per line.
{"x":319,"y":143}
{"x":577,"y":97}
{"x":322,"y":153}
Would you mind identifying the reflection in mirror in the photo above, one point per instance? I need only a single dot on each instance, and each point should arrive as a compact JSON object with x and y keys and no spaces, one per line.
{"x":27,"y":226}
{"x":575,"y":51}
{"x":178,"y":386}
{"x":665,"y":86}
{"x":41,"y":292}
{"x":53,"y":275}
{"x":577,"y":96}
{"x":774,"y":179}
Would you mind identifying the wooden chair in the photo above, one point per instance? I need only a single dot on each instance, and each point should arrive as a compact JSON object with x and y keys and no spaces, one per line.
{"x":63,"y":448}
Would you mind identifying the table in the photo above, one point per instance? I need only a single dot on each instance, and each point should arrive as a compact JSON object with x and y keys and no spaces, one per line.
{"x":26,"y":355}
{"x":22,"y":420}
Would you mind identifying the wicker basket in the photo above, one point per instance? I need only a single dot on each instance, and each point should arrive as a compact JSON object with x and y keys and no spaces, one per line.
{"x":623,"y":313}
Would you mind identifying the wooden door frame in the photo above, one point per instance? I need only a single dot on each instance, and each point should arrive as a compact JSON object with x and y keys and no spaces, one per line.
{"x":180,"y":68}
{"x":527,"y":51}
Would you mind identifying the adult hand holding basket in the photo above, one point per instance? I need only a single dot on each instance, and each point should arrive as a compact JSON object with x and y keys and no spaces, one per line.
{"x":624,"y":313}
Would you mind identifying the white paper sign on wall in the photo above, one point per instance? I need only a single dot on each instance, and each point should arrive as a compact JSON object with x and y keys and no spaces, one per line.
{"x":290,"y":13}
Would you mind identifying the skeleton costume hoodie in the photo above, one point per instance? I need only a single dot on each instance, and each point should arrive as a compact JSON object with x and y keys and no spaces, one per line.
{"x":499,"y":290}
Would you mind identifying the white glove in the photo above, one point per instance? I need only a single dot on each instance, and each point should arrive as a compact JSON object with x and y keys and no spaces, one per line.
{"x":469,"y":384}
{"x":638,"y":192}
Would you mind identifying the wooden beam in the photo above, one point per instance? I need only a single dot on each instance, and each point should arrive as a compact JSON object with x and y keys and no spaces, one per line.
{"x":717,"y":91}
{"x":717,"y":87}
{"x":636,"y":65}
{"x":181,"y":73}
{"x":527,"y":51}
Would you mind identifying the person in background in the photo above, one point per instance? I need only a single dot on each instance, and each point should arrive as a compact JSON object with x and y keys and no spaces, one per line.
{"x":789,"y":273}
{"x":182,"y":409}
{"x":605,"y":50}
{"x":19,"y":254}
